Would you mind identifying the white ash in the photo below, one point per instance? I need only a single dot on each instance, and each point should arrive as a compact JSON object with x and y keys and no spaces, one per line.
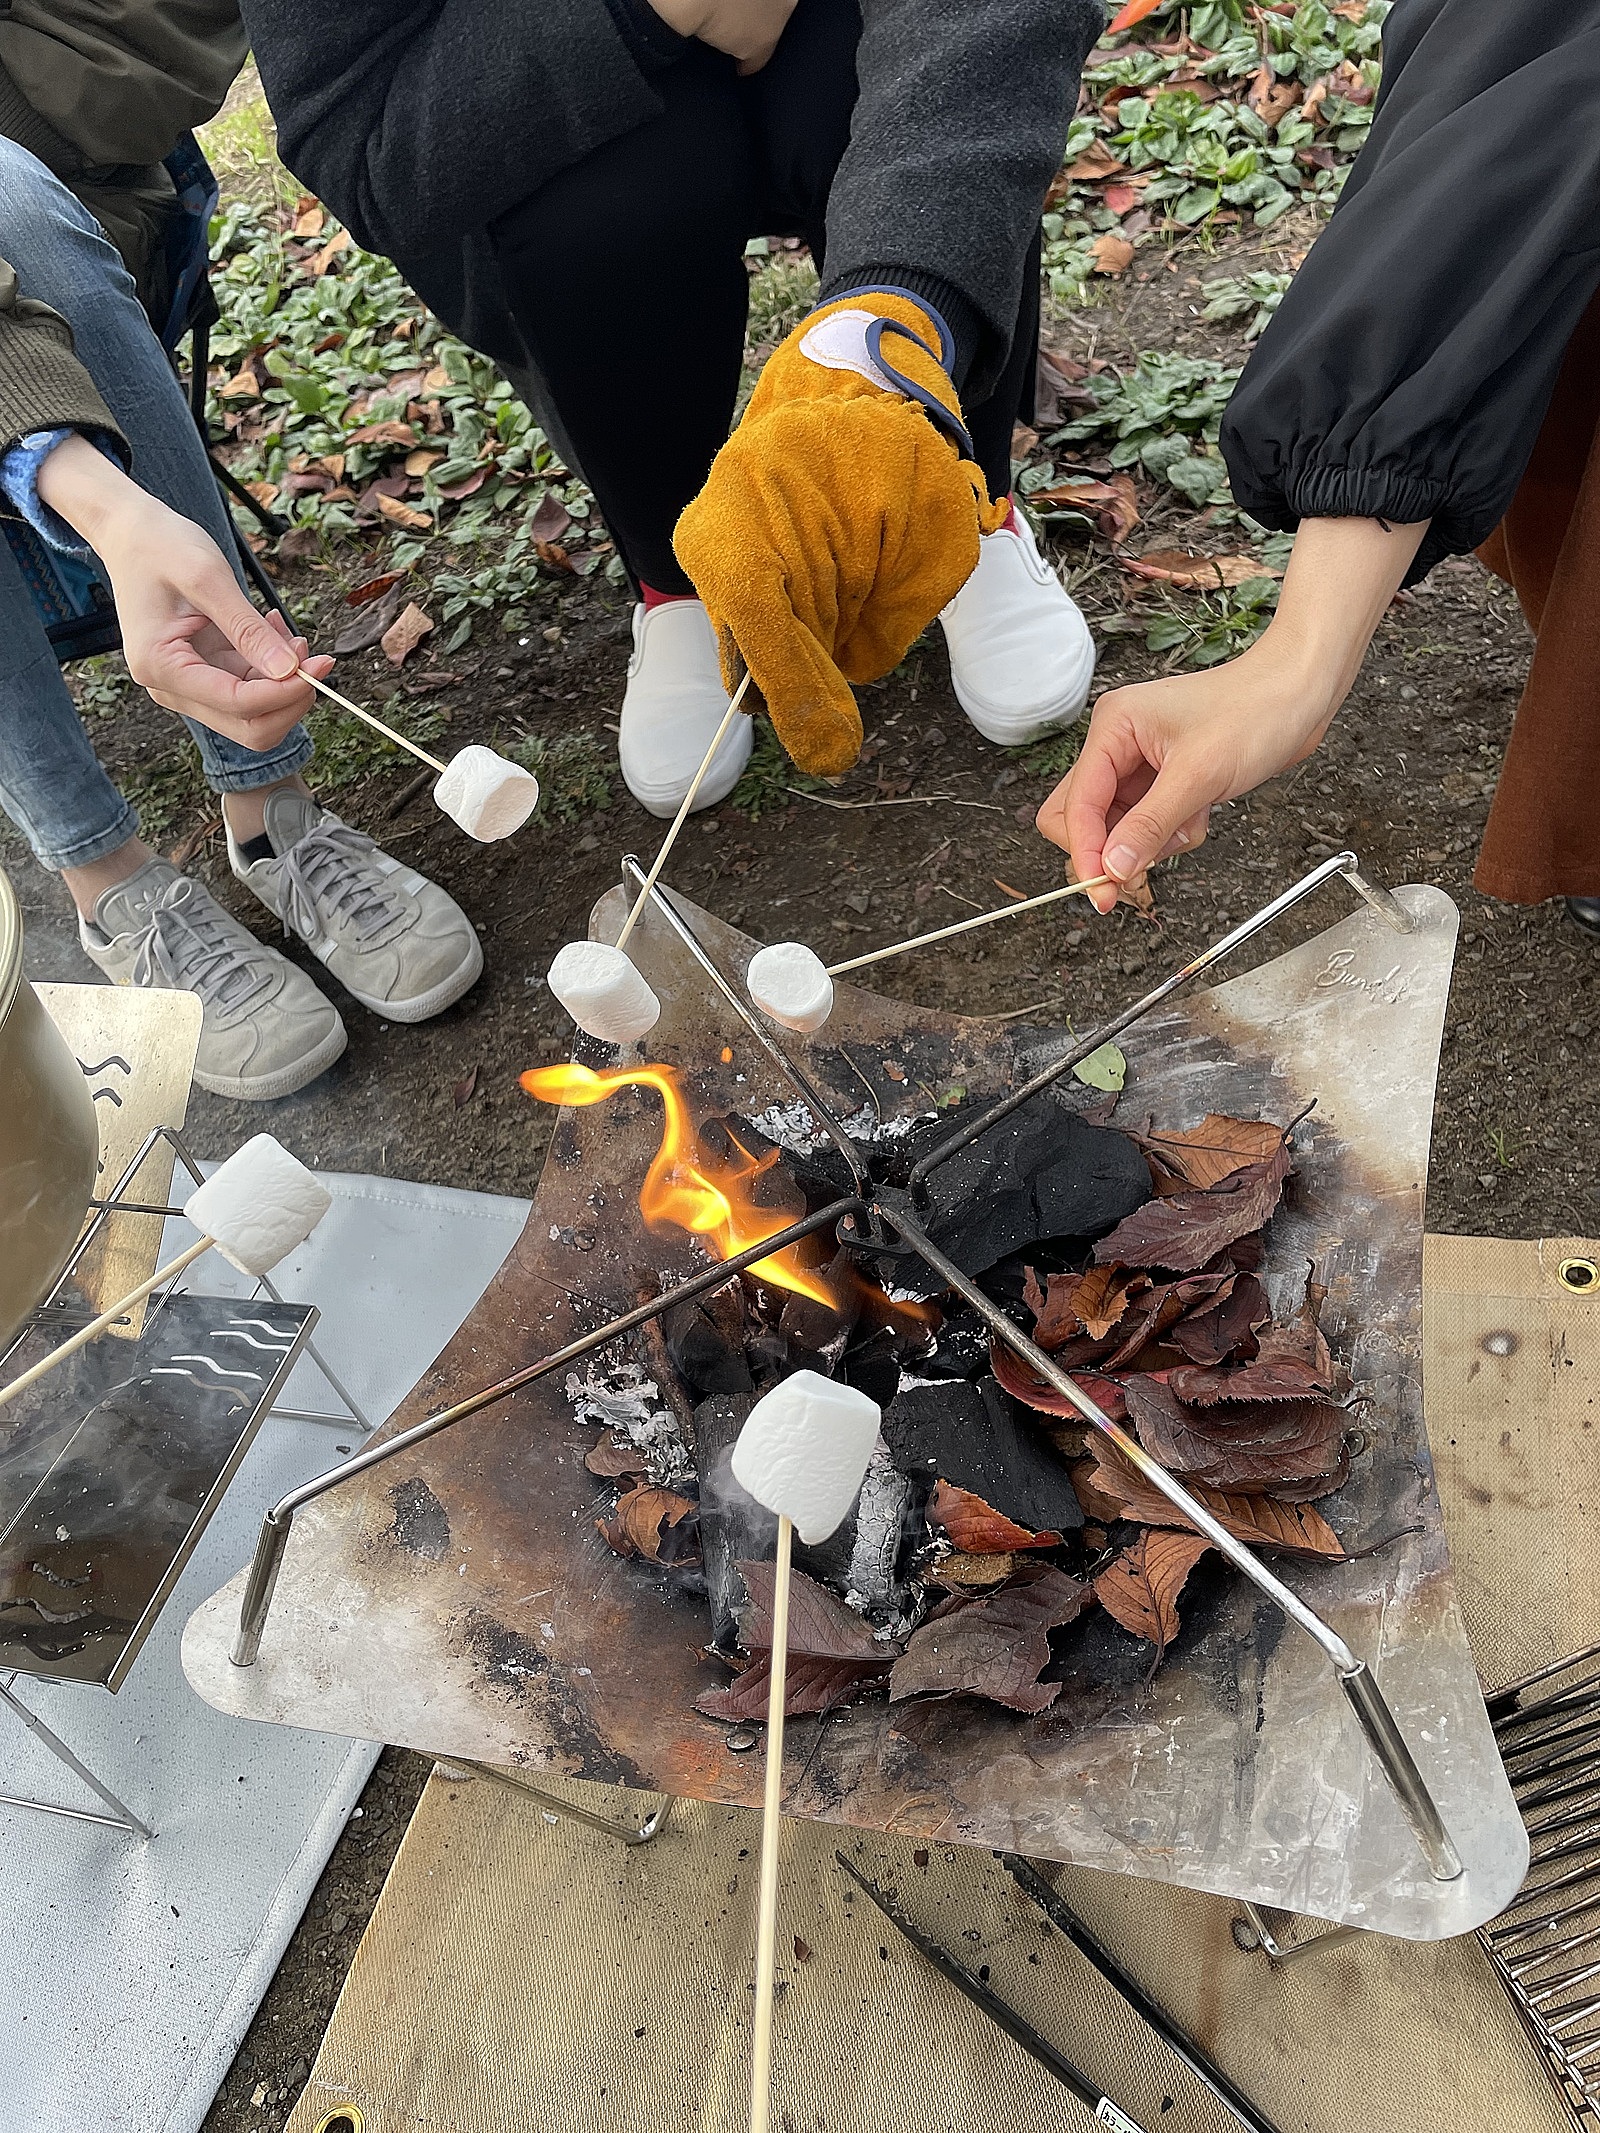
{"x":794,"y":1126}
{"x":882,"y":1514}
{"x":621,"y":1397}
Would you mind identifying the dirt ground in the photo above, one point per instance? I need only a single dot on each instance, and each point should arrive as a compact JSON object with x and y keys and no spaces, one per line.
{"x":933,"y":825}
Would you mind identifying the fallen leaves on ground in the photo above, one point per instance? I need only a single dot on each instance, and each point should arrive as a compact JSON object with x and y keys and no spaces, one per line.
{"x":976,"y":1528}
{"x":373,"y":589}
{"x":1188,"y":1228}
{"x":995,"y":1648}
{"x":1206,"y":573}
{"x":405,"y":633}
{"x":1111,"y":254}
{"x":1141,"y":1588}
{"x":400,"y":514}
{"x":1112,"y":505}
{"x":635,"y":1528}
{"x":462,"y":1092}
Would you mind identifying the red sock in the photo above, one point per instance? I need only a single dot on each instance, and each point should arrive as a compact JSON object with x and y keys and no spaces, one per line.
{"x":652,"y":598}
{"x":1011,"y":523}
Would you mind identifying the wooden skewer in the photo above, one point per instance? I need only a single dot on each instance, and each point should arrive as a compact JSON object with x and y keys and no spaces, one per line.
{"x":682,"y":815}
{"x":965,"y":925}
{"x":85,"y":1334}
{"x":374,"y":722}
{"x":771,"y":1842}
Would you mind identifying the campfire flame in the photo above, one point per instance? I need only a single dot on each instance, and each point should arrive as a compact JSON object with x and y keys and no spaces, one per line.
{"x":686,"y":1187}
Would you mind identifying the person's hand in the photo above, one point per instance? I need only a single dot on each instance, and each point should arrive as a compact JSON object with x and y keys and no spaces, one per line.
{"x":748,"y":30}
{"x":838,"y":519}
{"x":1158,"y":757}
{"x":189,"y":635}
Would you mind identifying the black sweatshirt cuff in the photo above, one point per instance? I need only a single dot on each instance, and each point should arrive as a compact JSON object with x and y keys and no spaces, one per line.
{"x":653,"y":43}
{"x":959,"y":313}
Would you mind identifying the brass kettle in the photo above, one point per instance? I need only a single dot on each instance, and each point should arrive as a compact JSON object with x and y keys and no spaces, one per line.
{"x":49,"y":1138}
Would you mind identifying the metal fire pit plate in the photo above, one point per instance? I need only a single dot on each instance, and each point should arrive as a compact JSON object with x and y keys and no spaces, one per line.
{"x":459,"y":1600}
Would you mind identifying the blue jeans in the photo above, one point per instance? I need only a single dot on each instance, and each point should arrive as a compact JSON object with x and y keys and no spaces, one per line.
{"x":51,"y":783}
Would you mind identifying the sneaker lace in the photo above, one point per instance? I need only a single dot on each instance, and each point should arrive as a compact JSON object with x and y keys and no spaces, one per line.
{"x":328,"y":871}
{"x":191,"y":945}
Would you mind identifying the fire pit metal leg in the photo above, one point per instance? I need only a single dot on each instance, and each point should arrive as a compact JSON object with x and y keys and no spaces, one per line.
{"x":274,"y":1535}
{"x":1366,"y":1699}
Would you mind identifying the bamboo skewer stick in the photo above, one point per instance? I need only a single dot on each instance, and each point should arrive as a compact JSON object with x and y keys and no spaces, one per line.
{"x":374,"y":722}
{"x":966,"y":925}
{"x":85,"y":1334}
{"x":771,"y":1841}
{"x":682,"y":815}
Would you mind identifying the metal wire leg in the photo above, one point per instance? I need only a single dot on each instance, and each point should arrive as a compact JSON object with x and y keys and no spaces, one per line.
{"x":1252,"y":1933}
{"x":635,"y":1838}
{"x":121,"y":1817}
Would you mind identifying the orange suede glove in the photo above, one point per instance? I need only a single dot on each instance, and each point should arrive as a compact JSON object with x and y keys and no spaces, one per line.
{"x":839,"y":518}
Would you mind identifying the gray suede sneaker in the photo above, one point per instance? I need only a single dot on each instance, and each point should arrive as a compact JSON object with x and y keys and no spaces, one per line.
{"x":266,"y":1030}
{"x":398,"y":942}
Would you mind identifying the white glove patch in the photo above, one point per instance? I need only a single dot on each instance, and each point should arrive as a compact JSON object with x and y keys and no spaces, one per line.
{"x":839,"y":342}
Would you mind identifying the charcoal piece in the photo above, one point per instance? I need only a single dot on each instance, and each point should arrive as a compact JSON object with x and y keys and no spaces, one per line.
{"x":734,"y":1528}
{"x":822,"y":1174}
{"x":975,"y":1437}
{"x":872,"y":1365}
{"x":962,"y":1349}
{"x":1042,"y":1173}
{"x":702,"y":1355}
{"x":768,"y":1357}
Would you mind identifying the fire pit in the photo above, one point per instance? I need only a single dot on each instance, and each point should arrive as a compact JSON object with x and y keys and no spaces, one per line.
{"x":456,"y":1596}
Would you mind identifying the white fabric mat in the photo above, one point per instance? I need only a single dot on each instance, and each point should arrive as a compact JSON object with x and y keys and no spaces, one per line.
{"x":129,"y":1972}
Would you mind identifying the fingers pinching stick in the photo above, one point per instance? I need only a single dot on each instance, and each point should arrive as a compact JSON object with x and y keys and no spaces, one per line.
{"x":482,"y":792}
{"x":791,"y":983}
{"x":254,"y":1208}
{"x":802,"y":1452}
{"x":596,"y":981}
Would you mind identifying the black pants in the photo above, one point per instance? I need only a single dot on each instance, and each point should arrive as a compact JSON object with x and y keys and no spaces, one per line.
{"x":627,"y":280}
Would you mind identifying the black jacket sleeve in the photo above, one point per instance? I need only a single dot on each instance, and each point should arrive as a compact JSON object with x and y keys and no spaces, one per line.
{"x":1409,"y":367}
{"x":958,"y":130}
{"x":419,"y":122}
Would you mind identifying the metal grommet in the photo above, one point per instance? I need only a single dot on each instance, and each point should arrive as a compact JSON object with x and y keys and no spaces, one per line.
{"x":1582,"y":1276}
{"x":346,"y":2119}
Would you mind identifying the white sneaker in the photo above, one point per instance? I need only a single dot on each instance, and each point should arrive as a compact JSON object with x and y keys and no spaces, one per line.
{"x":1021,"y":657}
{"x":390,"y":936}
{"x":674,"y":704}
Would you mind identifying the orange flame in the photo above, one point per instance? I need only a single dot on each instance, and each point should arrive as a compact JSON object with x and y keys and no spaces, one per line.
{"x":685,"y":1186}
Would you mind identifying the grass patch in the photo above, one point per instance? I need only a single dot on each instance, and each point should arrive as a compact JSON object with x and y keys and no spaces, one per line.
{"x":348,"y":750}
{"x":574,"y":773}
{"x":166,"y":792}
{"x":770,"y":778}
{"x":1052,"y":757}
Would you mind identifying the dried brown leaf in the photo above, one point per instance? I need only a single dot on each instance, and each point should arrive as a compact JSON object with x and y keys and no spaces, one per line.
{"x":996,"y":1648}
{"x":1095,"y":163}
{"x":635,"y":1529}
{"x":820,"y":1626}
{"x":971,"y":1572}
{"x":1140,"y":1589}
{"x":399,"y":514}
{"x":374,"y":588}
{"x":1259,"y":1520}
{"x":319,"y":262}
{"x":613,"y":1457}
{"x":1111,"y":254}
{"x":462,"y":1092}
{"x":1021,"y":1383}
{"x":809,"y":1686}
{"x":1183,"y":1232}
{"x":1225,"y":1325}
{"x":405,"y":633}
{"x":1069,"y":1305}
{"x":550,"y":519}
{"x":976,"y":1527}
{"x":1179,"y":566}
{"x":1269,"y":1446}
{"x":1216,"y":1148}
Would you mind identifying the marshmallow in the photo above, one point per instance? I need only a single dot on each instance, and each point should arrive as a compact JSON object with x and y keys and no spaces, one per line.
{"x":488,"y":796}
{"x":804,"y":1449}
{"x":258,"y":1205}
{"x":603,"y":992}
{"x":789,"y":983}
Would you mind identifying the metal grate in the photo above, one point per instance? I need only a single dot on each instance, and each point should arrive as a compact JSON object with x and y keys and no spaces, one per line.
{"x":1545,"y":1948}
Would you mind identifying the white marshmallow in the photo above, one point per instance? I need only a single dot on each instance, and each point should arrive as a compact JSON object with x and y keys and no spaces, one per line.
{"x":789,"y":983}
{"x":258,"y":1205}
{"x":488,"y":796}
{"x":603,"y":992}
{"x":804,"y":1449}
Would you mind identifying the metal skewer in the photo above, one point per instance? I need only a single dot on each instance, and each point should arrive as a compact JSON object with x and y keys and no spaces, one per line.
{"x":1073,"y":2078}
{"x":371,"y":719}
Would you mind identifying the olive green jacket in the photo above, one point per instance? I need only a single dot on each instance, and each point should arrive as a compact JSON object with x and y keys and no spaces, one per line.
{"x":100,"y":95}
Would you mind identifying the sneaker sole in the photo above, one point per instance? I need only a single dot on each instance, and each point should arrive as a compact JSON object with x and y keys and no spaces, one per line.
{"x":664,"y":803}
{"x":425,"y":1005}
{"x":267,"y":1088}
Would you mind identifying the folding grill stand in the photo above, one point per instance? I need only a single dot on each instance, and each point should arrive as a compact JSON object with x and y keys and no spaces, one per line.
{"x":878,"y":1221}
{"x":62,"y":1314}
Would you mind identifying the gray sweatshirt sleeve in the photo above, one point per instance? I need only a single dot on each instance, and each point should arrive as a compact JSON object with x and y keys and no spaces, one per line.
{"x":963,"y":114}
{"x":420,"y":121}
